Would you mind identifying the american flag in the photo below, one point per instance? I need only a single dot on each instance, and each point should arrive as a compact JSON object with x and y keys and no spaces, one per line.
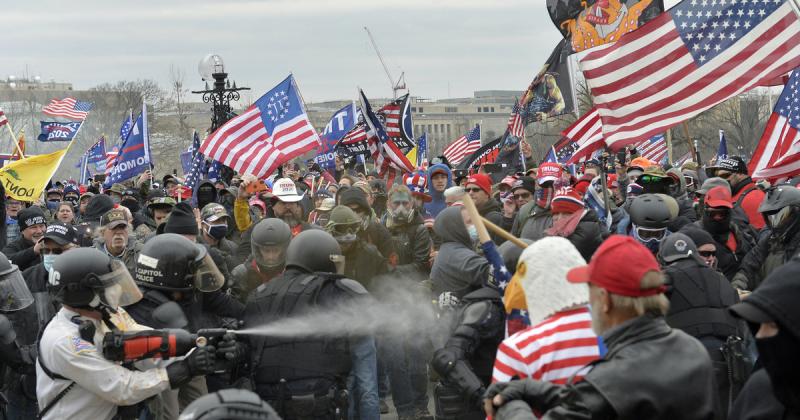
{"x":393,"y":114}
{"x":3,"y":118}
{"x":464,"y":146}
{"x":685,"y":61}
{"x":654,"y":149}
{"x":111,"y":158}
{"x":516,"y":124}
{"x":198,"y":163}
{"x":125,"y":128}
{"x":385,"y":153}
{"x":68,"y":108}
{"x":778,"y":152}
{"x":587,"y":133}
{"x":273,"y":130}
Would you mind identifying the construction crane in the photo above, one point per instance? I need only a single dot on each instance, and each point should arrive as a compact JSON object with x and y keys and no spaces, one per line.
{"x":401,"y":82}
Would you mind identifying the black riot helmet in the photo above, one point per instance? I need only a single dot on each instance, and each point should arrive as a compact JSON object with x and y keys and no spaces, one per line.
{"x":781,"y":210}
{"x":269,"y":240}
{"x":14,"y":292}
{"x":173,"y":263}
{"x":88,"y":278}
{"x":229,"y":404}
{"x":315,"y":251}
{"x":653,"y":211}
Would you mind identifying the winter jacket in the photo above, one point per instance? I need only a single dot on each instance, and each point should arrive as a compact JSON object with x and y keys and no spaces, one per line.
{"x":227,"y":250}
{"x":729,"y":261}
{"x":532,"y":221}
{"x":753,"y":197}
{"x":364,"y":263}
{"x":20,"y":252}
{"x":678,"y":383}
{"x":588,"y":235}
{"x":202,"y":310}
{"x":457,"y":267}
{"x":412,"y":245}
{"x":437,"y":204}
{"x":129,"y":255}
{"x":491,"y":211}
{"x":757,"y":401}
{"x":770,"y":253}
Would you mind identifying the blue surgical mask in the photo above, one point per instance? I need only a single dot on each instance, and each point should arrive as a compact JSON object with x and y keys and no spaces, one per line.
{"x":47,"y":261}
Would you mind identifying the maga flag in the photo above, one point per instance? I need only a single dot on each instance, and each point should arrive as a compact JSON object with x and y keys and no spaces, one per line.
{"x":26,"y":179}
{"x":589,"y":23}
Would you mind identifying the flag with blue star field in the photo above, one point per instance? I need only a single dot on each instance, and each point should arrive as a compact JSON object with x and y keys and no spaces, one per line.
{"x":198,"y":164}
{"x":778,"y":152}
{"x":688,"y":59}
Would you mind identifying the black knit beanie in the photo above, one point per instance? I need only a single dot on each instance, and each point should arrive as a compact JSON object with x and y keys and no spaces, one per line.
{"x":181,"y":220}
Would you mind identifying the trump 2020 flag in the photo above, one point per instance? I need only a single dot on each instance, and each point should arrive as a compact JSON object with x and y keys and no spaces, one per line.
{"x":688,"y":59}
{"x":270,"y":132}
{"x":134,"y":154}
{"x":58,"y":131}
{"x":341,"y":122}
{"x":722,"y":151}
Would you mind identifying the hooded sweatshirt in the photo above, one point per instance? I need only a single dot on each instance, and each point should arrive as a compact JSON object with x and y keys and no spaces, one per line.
{"x":208,"y":195}
{"x":457,"y":268}
{"x":437,"y":204}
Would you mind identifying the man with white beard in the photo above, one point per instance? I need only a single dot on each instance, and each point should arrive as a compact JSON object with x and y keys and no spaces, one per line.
{"x":650,"y":370}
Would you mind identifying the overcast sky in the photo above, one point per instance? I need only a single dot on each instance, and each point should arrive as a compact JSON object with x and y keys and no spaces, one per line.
{"x":447,"y":48}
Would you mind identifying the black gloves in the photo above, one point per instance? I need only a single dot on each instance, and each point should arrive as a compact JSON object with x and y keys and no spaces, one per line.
{"x":229,"y":349}
{"x":198,"y":363}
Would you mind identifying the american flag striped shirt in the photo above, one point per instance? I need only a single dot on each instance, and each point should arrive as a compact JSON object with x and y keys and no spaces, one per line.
{"x":68,"y":108}
{"x":686,"y":60}
{"x":554,"y":350}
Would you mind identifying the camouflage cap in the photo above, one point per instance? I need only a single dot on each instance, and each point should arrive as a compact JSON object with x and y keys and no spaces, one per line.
{"x":114,"y":218}
{"x":213,"y":212}
{"x":118,"y":188}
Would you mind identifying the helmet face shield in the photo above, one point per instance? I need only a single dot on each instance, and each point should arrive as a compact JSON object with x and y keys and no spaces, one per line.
{"x":270,"y":256}
{"x":119,"y":287}
{"x":207,"y":277}
{"x":14,"y":293}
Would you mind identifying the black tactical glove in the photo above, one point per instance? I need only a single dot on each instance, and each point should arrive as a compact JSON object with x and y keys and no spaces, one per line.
{"x":527,"y":390}
{"x":228,"y":348}
{"x":198,"y":363}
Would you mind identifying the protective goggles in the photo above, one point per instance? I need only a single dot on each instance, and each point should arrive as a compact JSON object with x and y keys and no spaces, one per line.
{"x":650,"y":234}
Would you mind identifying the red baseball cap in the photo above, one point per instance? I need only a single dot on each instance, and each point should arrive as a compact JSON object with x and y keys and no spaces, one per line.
{"x":548,"y":171}
{"x":482,"y":181}
{"x":719,"y":197}
{"x":618,"y":266}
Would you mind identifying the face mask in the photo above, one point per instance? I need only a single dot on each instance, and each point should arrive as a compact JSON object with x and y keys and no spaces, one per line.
{"x":717,"y":227}
{"x":778,"y":354}
{"x":473,"y":233}
{"x":47,"y":261}
{"x":218,"y":231}
{"x":116,"y":199}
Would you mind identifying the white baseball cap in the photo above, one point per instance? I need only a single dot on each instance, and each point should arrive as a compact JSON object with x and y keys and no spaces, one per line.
{"x":285,"y":190}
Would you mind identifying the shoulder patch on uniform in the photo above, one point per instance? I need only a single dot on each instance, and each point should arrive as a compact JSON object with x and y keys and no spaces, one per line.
{"x":351,"y":286}
{"x":80,"y":346}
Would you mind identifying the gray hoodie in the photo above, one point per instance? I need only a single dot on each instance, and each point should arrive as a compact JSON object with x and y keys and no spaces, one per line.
{"x":457,"y":268}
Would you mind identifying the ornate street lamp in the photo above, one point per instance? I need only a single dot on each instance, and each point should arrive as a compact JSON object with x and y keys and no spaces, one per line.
{"x":212,"y":68}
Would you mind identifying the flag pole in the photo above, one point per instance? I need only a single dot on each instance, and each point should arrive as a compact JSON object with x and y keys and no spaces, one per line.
{"x":668,"y":138}
{"x":16,"y":142}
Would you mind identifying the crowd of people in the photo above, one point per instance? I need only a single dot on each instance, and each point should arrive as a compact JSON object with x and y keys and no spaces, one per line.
{"x":633,"y":291}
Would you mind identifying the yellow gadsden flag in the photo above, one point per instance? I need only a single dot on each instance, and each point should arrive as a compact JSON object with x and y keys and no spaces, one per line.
{"x":25,"y":179}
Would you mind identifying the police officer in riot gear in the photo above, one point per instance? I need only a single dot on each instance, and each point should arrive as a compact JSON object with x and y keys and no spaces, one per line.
{"x":269,"y":240}
{"x":698,"y":300}
{"x":73,"y":380}
{"x":304,"y":377}
{"x":466,"y":360}
{"x":171,"y":268}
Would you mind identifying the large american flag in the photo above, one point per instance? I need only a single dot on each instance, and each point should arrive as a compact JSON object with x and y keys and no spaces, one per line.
{"x":654,"y":148}
{"x":273,"y":130}
{"x":3,"y":118}
{"x":516,"y":124}
{"x":587,"y":133}
{"x":384,"y":151}
{"x":68,"y":108}
{"x":696,"y":55}
{"x":778,"y":152}
{"x":464,"y":146}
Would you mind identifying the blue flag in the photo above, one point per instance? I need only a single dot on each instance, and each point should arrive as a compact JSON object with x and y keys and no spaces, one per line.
{"x":198,"y":166}
{"x":722,"y":152}
{"x":214,"y":171}
{"x":341,"y":122}
{"x":125,"y":129}
{"x":58,"y":131}
{"x":134,"y":154}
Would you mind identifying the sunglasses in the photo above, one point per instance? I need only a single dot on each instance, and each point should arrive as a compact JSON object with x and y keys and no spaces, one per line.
{"x":522,"y":196}
{"x":649,"y":179}
{"x":473,"y":189}
{"x":724,"y":175}
{"x":707,"y":254}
